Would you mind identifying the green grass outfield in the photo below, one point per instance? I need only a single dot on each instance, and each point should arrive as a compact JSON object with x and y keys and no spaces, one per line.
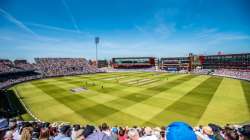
{"x":138,"y":98}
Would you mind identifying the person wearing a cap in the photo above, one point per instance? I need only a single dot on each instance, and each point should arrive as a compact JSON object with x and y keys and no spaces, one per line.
{"x":180,"y":131}
{"x":114,"y":133}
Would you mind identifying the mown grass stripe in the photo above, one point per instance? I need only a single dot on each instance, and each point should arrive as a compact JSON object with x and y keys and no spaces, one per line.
{"x":105,"y":90}
{"x":147,"y":93}
{"x":143,"y":95}
{"x":72,"y":101}
{"x":227,"y":100}
{"x":109,"y":88}
{"x":44,"y":106}
{"x":97,"y":112}
{"x":190,"y":107}
{"x":246,"y":88}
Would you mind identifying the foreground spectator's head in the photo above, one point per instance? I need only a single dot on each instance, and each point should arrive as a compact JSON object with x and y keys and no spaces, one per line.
{"x":244,"y":132}
{"x":26,"y":133}
{"x":104,"y":127}
{"x":148,"y":131}
{"x":65,"y":130}
{"x":180,"y":131}
{"x":8,"y":135}
{"x":157,"y":132}
{"x":114,"y":130}
{"x":207,"y":130}
{"x":76,"y":127}
{"x":44,"y":134}
{"x":133,"y":134}
{"x":12,"y":123}
{"x":89,"y":129}
{"x":121,"y":132}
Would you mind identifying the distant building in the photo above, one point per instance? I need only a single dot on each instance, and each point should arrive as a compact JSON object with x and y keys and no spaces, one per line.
{"x":133,"y":62}
{"x":227,"y":61}
{"x":219,"y":61}
{"x":174,"y":63}
{"x":102,"y":63}
{"x":20,"y":61}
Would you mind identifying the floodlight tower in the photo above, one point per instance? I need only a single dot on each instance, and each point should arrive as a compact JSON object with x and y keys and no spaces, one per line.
{"x":97,"y":40}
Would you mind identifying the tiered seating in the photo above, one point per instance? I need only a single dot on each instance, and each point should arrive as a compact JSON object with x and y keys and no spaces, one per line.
{"x":64,"y":66}
{"x":6,"y":66}
{"x":238,"y":74}
{"x":24,"y":65}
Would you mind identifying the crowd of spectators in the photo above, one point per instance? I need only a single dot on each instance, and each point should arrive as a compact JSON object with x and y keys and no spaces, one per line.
{"x":24,"y":65}
{"x":7,"y":66}
{"x":64,"y":66}
{"x":20,"y":70}
{"x":232,"y":73}
{"x":201,"y":71}
{"x":33,"y":130}
{"x":238,"y":74}
{"x":10,"y":81}
{"x":16,"y":72}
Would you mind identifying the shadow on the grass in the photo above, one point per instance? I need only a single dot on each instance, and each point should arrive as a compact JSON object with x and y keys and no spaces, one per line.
{"x":10,"y":106}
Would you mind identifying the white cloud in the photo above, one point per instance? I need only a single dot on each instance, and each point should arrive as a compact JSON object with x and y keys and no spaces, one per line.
{"x":18,"y":23}
{"x":51,"y":27}
{"x":214,"y":36}
{"x":71,"y":15}
{"x":158,"y":26}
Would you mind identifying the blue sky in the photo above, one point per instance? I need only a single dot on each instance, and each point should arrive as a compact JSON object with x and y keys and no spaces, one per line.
{"x":160,"y":28}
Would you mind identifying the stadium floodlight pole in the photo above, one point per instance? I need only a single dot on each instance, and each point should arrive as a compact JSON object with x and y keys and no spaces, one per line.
{"x":97,"y":40}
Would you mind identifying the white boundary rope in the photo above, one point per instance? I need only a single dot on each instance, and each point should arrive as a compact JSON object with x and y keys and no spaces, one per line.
{"x":24,"y":105}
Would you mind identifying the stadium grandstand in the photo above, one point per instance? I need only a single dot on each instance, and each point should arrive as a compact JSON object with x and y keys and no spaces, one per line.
{"x":64,"y":66}
{"x":175,"y":63}
{"x":125,"y":70}
{"x":226,"y":61}
{"x":133,"y":62}
{"x":20,"y":71}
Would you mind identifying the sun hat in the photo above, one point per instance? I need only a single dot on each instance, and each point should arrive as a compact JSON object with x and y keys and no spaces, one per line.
{"x":114,"y":130}
{"x":180,"y":131}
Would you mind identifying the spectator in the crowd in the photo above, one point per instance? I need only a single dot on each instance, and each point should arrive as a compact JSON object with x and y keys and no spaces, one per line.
{"x":64,"y":133}
{"x":157,"y":133}
{"x":103,"y":134}
{"x":21,"y":130}
{"x":114,"y":133}
{"x":26,"y":133}
{"x":121,"y":134}
{"x":44,"y":134}
{"x":8,"y":135}
{"x":206,"y":133}
{"x":148,"y":134}
{"x":89,"y":129}
{"x":180,"y":131}
{"x":75,"y":130}
{"x":133,"y":134}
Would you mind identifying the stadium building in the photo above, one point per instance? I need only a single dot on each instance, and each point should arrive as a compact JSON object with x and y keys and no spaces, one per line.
{"x":134,"y":62}
{"x":174,"y":63}
{"x":226,"y":61}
